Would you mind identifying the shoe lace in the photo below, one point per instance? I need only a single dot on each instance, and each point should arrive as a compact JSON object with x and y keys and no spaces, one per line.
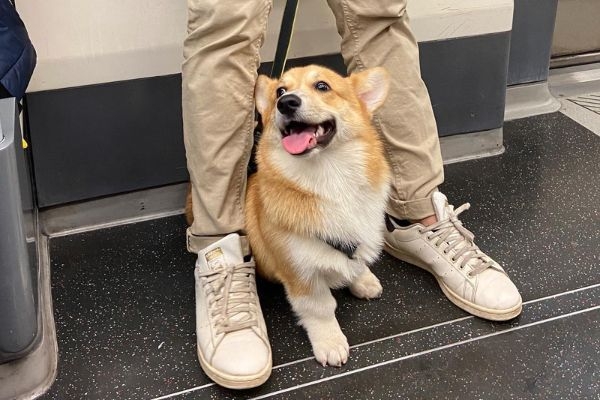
{"x":459,"y":239}
{"x":232,"y":298}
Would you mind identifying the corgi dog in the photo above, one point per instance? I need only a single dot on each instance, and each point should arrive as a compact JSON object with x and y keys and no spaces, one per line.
{"x":315,"y":208}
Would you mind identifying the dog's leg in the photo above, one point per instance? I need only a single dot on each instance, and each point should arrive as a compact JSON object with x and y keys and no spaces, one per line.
{"x":369,"y":252}
{"x":366,"y":286}
{"x":313,"y":256}
{"x":316,"y":311}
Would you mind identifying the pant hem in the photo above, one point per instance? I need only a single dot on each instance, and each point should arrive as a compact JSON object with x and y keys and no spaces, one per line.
{"x":196,"y":243}
{"x":411,"y":210}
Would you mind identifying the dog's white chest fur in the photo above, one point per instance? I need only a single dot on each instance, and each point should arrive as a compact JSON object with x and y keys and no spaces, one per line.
{"x":352,"y":209}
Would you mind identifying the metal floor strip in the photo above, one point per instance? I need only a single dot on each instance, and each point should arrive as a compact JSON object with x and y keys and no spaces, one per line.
{"x":583,"y":109}
{"x":590,"y":102}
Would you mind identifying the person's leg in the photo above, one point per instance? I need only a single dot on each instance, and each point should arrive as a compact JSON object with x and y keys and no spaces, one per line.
{"x":377,"y":33}
{"x":221,"y":57}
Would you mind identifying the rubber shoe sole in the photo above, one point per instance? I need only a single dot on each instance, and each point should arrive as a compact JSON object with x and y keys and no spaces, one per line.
{"x":232,"y":381}
{"x":471,"y":308}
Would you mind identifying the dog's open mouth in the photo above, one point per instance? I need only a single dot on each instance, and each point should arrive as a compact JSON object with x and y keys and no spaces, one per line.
{"x":300,"y":137}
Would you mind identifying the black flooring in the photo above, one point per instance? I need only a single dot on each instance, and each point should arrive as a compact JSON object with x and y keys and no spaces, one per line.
{"x":124,"y":299}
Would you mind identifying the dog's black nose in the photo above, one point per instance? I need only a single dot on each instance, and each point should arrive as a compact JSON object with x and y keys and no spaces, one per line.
{"x":288,"y":104}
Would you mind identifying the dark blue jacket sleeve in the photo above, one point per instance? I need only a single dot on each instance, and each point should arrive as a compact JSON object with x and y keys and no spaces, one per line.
{"x":17,"y":55}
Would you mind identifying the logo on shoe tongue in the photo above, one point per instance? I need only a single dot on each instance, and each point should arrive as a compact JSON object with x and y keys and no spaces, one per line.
{"x":214,"y":257}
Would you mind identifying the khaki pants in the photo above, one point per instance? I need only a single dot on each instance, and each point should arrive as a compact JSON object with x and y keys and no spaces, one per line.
{"x":221,"y":57}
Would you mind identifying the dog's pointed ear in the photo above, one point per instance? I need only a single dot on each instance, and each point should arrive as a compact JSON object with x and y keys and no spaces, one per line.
{"x":371,"y":86}
{"x":263,"y":93}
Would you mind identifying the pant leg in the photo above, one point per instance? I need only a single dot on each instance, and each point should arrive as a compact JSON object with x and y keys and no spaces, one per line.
{"x":377,"y":33}
{"x":221,"y":58}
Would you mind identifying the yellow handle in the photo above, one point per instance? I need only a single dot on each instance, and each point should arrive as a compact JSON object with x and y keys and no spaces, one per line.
{"x":24,"y":143}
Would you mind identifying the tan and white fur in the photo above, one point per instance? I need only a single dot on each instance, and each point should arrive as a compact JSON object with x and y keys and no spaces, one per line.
{"x":334,"y":192}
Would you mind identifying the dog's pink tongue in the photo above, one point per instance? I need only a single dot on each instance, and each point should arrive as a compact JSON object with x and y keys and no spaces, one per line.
{"x":297,"y":143}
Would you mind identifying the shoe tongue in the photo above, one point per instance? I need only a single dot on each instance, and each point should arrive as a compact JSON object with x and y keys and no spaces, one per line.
{"x":440,"y":205}
{"x":227,"y":251}
{"x":299,"y":142}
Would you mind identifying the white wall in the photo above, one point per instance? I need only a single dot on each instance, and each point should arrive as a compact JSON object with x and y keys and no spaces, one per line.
{"x":81,"y":42}
{"x":577,"y":30}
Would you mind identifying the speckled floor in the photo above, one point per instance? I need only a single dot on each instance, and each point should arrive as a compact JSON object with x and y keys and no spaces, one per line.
{"x":124,"y":299}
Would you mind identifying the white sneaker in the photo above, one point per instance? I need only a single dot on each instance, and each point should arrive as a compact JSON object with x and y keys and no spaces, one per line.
{"x":233,"y":346}
{"x":467,"y":276}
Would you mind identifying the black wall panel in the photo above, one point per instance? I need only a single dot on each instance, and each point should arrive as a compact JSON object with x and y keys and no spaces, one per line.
{"x":99,"y":140}
{"x":110,"y":138}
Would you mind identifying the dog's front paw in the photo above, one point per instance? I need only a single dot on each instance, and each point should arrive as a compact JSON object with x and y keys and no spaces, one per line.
{"x":331,"y":349}
{"x":366,"y":286}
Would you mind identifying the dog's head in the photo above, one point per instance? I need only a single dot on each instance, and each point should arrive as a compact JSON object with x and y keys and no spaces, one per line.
{"x":311,"y":107}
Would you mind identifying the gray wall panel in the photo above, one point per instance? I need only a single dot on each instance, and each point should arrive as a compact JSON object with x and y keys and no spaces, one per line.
{"x":466,"y":79}
{"x":533,"y":26}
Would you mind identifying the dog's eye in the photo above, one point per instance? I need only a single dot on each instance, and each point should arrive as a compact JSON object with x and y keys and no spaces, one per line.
{"x":322,"y":86}
{"x":280,"y":92}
